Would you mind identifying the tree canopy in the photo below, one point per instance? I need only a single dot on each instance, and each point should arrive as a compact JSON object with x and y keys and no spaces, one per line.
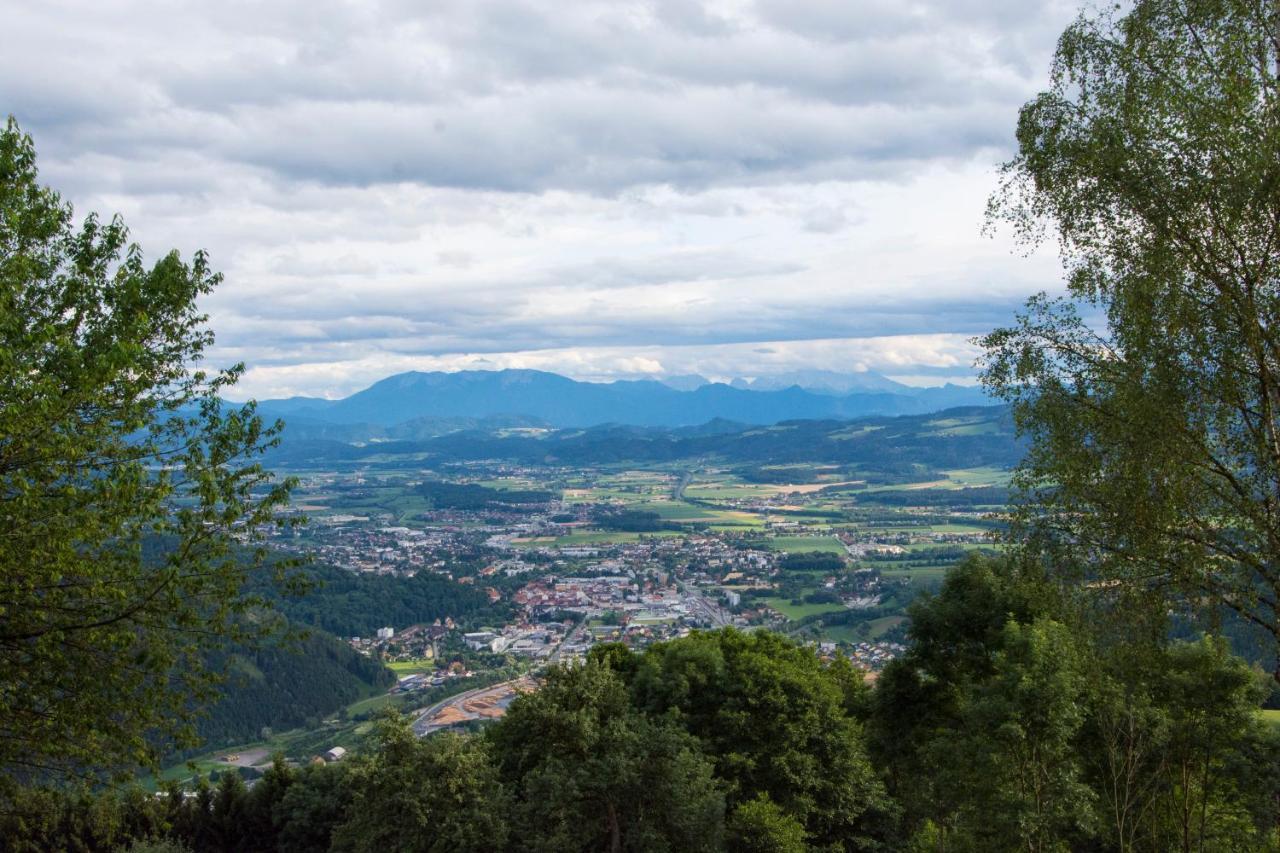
{"x":111,"y":438}
{"x":1151,"y":396}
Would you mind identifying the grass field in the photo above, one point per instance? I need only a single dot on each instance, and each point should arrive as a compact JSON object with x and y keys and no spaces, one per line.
{"x":922,"y":576}
{"x":957,"y":528}
{"x":683,"y":512}
{"x":974,"y":425}
{"x":410,"y":667}
{"x":373,"y":703}
{"x":726,"y":491}
{"x":879,"y":627}
{"x":804,"y":544}
{"x":851,"y":633}
{"x":795,"y":612}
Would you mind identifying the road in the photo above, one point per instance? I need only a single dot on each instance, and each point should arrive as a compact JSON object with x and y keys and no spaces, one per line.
{"x":577,"y":633}
{"x":421,"y":726}
{"x":713,"y":613}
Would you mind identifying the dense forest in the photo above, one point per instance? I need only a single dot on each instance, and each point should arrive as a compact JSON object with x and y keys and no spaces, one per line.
{"x":631,"y":520}
{"x":1016,"y":721}
{"x":348,"y":604}
{"x":812,"y":561}
{"x":283,"y":685}
{"x":472,"y":496}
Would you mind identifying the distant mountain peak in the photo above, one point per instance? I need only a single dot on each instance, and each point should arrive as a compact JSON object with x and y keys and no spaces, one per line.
{"x":563,"y":402}
{"x":686,"y":381}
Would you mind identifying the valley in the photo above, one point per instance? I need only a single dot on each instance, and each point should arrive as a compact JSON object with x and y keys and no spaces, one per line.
{"x":458,"y":572}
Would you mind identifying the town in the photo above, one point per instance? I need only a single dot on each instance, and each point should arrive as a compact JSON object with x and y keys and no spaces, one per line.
{"x":575,"y":557}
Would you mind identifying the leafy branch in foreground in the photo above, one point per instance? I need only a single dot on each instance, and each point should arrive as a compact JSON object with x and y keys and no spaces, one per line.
{"x":110,"y":442}
{"x":1152,"y":397}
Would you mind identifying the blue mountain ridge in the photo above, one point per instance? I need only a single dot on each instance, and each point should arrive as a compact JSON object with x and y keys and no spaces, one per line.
{"x":563,"y":402}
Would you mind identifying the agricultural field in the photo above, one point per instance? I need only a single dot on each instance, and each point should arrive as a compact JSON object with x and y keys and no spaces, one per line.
{"x":805,"y":544}
{"x":796,"y":612}
{"x":411,"y":667}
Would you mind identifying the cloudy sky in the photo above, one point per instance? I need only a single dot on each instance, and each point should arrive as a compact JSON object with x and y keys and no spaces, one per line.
{"x":605,"y":190}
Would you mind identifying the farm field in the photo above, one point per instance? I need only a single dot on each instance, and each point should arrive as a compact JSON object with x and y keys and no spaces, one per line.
{"x":852,"y":633}
{"x":805,"y":544}
{"x":919,"y":576}
{"x":796,"y":612}
{"x":410,"y":667}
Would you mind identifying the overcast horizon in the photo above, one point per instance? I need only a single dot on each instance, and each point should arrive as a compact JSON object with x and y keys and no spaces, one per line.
{"x":606,"y":191}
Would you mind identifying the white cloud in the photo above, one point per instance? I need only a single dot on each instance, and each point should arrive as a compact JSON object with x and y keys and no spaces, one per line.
{"x":949,"y":358}
{"x":600,"y":188}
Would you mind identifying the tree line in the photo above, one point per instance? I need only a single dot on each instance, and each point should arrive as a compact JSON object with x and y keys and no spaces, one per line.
{"x":1015,"y":721}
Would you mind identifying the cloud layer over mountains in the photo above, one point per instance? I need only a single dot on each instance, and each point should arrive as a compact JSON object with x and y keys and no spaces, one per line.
{"x":393,"y":184}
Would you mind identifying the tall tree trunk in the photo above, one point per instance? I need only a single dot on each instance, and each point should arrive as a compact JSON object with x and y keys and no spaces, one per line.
{"x":615,"y":830}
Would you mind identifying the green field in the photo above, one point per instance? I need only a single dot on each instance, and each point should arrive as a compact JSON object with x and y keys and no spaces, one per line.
{"x":683,"y":512}
{"x":805,"y":544}
{"x":973,"y":425}
{"x":410,"y":667}
{"x":796,"y":612}
{"x":851,"y":634}
{"x":724,"y":491}
{"x":973,"y":477}
{"x":957,"y":528}
{"x":884,"y":624}
{"x":922,"y":576}
{"x":373,"y":703}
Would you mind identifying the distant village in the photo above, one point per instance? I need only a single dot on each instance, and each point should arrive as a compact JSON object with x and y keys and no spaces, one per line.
{"x":570,"y":591}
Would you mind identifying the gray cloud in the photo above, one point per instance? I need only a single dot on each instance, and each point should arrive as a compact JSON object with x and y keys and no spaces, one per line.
{"x":398,"y":180}
{"x":515,"y":96}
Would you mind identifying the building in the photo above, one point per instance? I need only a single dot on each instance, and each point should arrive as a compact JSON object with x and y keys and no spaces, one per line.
{"x":479,"y":639}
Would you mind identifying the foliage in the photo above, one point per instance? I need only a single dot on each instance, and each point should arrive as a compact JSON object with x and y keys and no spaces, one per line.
{"x":1011,"y":723}
{"x":777,"y":722}
{"x":1152,"y":399}
{"x":349,"y":604}
{"x":812,"y":561}
{"x":1018,"y":734}
{"x":282,"y":686}
{"x":589,"y":772}
{"x":434,"y":795}
{"x":108,"y":436}
{"x":760,"y":826}
{"x":471,"y":496}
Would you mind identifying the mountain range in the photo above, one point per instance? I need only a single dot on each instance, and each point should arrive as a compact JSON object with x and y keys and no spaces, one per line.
{"x":533,"y":397}
{"x":890,"y":446}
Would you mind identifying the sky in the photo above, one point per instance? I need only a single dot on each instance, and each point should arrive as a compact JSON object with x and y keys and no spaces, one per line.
{"x":605,"y":190}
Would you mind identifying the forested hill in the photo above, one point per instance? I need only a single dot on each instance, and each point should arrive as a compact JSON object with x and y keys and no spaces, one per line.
{"x":355,"y":605}
{"x":282,"y":686}
{"x":955,"y":438}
